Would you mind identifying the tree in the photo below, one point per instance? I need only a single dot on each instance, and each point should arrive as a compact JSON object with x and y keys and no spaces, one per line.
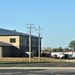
{"x":67,"y":49}
{"x":60,"y":49}
{"x":72,"y":44}
{"x":57,"y":49}
{"x":48,"y":49}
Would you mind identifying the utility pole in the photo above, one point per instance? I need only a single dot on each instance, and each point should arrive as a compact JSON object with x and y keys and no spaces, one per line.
{"x":30,"y":27}
{"x":39,"y":43}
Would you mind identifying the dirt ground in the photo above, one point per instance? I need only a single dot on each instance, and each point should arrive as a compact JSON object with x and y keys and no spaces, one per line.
{"x":34,"y":59}
{"x":44,"y":62}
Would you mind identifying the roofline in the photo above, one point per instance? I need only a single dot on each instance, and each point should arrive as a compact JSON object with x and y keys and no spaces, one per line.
{"x":23,"y":35}
{"x":16,"y":33}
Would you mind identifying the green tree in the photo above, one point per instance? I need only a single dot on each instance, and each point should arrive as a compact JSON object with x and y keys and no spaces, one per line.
{"x":67,"y":49}
{"x":48,"y":49}
{"x":60,"y":49}
{"x":57,"y":49}
{"x":72,"y":44}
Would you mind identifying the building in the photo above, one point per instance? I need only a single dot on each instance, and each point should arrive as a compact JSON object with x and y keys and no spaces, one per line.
{"x":61,"y":54}
{"x":16,"y":44}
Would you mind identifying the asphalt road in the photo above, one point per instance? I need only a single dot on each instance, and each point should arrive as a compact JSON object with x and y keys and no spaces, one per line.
{"x":61,"y":64}
{"x":36,"y":72}
{"x":45,"y":71}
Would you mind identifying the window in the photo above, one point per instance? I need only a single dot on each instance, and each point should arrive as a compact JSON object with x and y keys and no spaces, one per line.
{"x":13,"y":40}
{"x":22,"y":42}
{"x":25,"y":42}
{"x":34,"y":42}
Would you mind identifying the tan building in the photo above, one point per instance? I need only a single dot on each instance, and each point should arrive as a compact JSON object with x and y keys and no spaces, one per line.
{"x":16,"y":44}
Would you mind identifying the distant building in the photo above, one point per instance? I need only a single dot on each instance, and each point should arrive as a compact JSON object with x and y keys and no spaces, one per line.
{"x":61,"y":54}
{"x":16,"y":44}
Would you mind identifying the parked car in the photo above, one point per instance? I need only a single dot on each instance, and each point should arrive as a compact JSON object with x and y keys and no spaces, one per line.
{"x":56,"y":57}
{"x":67,"y":56}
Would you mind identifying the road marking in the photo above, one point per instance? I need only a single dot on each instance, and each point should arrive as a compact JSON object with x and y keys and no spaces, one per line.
{"x":5,"y":73}
{"x":36,"y":71}
{"x":17,"y":72}
{"x":52,"y":68}
{"x":32,"y":74}
{"x":10,"y":73}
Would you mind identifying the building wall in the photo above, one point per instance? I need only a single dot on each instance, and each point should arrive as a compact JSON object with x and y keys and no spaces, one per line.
{"x":35,"y":46}
{"x":21,"y":46}
{"x":62,"y":53}
{"x":0,"y":51}
{"x":6,"y":39}
{"x":6,"y":52}
{"x":59,"y":54}
{"x":14,"y":50}
{"x":24,"y":44}
{"x":73,"y":54}
{"x":10,"y":51}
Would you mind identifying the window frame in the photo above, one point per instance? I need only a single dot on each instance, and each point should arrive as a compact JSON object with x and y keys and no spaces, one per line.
{"x":12,"y":40}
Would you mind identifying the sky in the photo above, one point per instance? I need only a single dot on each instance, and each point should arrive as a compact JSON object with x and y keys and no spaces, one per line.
{"x":55,"y":17}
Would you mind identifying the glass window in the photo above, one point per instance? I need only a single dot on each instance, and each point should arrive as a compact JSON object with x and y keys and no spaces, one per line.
{"x":12,"y":40}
